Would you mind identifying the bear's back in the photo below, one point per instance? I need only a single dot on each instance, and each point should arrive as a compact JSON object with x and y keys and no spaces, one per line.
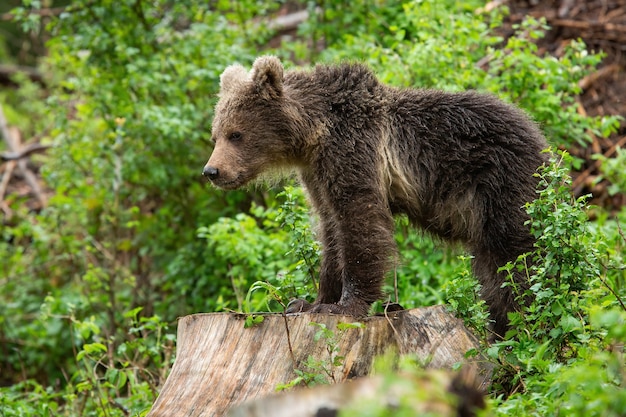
{"x":467,"y":155}
{"x":333,"y":81}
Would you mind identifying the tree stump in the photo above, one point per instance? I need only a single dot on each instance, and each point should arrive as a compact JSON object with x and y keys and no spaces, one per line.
{"x":219,"y":363}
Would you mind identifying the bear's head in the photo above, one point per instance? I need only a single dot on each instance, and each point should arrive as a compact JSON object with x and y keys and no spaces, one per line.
{"x":252,"y":127}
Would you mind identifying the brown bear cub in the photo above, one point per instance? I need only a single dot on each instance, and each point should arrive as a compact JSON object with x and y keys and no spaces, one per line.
{"x":459,"y":165}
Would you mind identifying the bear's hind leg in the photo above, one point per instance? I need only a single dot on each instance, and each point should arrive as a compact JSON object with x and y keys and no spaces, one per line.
{"x":500,"y":299}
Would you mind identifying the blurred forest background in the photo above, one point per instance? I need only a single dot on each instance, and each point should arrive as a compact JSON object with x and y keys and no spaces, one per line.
{"x":108,"y":233}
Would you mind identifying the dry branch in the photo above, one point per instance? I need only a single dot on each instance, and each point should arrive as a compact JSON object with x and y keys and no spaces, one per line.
{"x":590,"y":79}
{"x":24,"y":152}
{"x":587,"y":25}
{"x":289,"y":21}
{"x":13,"y":141}
{"x":7,"y":72}
{"x":581,"y":179}
{"x":50,"y":11}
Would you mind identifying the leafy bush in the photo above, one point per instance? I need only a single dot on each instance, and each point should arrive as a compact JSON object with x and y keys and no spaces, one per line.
{"x":452,"y":46}
{"x":273,"y":245}
{"x":613,"y":170}
{"x":110,"y":378}
{"x":565,"y":334}
{"x":128,"y":108}
{"x":546,"y":86}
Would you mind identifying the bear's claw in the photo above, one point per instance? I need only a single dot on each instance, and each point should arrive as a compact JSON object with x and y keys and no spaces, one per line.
{"x":298,"y":306}
{"x":301,"y":306}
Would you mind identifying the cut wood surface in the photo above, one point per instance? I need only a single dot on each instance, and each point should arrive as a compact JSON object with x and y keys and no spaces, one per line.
{"x":219,"y":363}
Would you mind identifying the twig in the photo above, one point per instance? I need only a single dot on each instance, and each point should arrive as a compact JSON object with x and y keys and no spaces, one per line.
{"x":606,"y":268}
{"x":612,"y":291}
{"x":620,"y":231}
{"x":12,"y":140}
{"x":395,"y":331}
{"x":4,"y":130}
{"x":595,"y":76}
{"x":8,"y":213}
{"x":51,"y":11}
{"x":289,"y":21}
{"x":395,"y":284}
{"x":582,"y":24}
{"x":596,"y":165}
{"x":293,"y":357}
{"x":120,"y":407}
{"x":603,"y":265}
{"x":566,"y":6}
{"x":24,"y":152}
{"x":8,"y":71}
{"x":8,"y":172}
{"x":598,"y":30}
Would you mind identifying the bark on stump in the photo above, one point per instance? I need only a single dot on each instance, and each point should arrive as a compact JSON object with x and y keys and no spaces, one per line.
{"x":219,"y":363}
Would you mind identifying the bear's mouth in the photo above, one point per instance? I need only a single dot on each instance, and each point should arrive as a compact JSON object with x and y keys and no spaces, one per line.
{"x":239,"y":181}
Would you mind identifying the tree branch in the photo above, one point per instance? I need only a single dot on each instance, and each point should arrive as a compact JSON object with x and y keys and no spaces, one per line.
{"x":8,"y":71}
{"x":24,"y":152}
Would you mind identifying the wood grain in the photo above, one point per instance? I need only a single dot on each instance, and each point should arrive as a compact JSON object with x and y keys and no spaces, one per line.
{"x":220,"y":363}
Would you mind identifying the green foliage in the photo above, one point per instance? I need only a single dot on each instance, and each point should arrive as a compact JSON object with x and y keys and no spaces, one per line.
{"x":613,"y":170}
{"x":270,"y":249}
{"x":26,"y":108}
{"x":452,"y":45}
{"x":590,"y":383}
{"x":406,"y":390}
{"x":424,"y":266}
{"x":462,"y":295}
{"x":575,"y":313}
{"x":105,"y":378}
{"x":561,"y":271}
{"x":132,"y":238}
{"x":397,"y":38}
{"x":547,"y":86}
{"x":294,"y":218}
{"x":430,"y":273}
{"x":109,"y":378}
{"x":29,"y":398}
{"x":320,"y":371}
{"x":127,"y":109}
{"x":247,"y":251}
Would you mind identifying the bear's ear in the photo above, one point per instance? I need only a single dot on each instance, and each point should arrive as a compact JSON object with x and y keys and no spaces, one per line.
{"x":232,"y":76}
{"x":267,"y":75}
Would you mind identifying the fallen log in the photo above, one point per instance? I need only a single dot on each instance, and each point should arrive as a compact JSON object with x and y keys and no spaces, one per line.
{"x":420,"y":392}
{"x":219,"y":363}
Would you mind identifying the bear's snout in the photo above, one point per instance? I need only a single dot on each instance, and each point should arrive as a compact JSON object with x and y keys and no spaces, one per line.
{"x":211,"y":172}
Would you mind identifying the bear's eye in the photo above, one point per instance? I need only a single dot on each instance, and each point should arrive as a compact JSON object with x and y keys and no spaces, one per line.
{"x":235,"y":136}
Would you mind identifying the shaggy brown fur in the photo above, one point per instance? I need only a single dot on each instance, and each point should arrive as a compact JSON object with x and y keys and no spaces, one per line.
{"x":459,"y":165}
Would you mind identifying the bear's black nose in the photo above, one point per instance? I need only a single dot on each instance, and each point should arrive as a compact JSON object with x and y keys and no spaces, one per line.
{"x":210,"y":172}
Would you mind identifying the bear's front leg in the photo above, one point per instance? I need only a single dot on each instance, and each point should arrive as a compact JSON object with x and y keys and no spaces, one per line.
{"x":331,"y":269}
{"x":367,"y":245}
{"x":362,"y":239}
